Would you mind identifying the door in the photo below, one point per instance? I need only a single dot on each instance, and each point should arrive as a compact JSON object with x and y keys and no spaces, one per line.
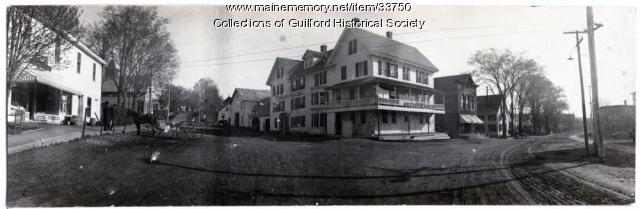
{"x":267,"y":125}
{"x":338,"y":124}
{"x":80,"y":107}
{"x":284,"y":123}
{"x":237,"y":120}
{"x":406,"y":124}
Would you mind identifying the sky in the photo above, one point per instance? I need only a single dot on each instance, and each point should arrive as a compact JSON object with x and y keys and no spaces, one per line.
{"x":243,"y":57}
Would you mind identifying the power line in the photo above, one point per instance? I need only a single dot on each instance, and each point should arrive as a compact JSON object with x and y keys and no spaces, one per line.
{"x":419,"y":41}
{"x":401,"y":33}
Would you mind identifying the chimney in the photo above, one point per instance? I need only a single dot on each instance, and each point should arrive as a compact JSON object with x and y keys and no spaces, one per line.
{"x":389,"y":35}
{"x":323,"y":48}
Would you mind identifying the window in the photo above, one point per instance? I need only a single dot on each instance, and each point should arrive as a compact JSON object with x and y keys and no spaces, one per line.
{"x":361,"y":68}
{"x":297,"y":103}
{"x":319,"y":98}
{"x":279,"y":72}
{"x":405,"y":73}
{"x":392,"y":70}
{"x":393,"y":117}
{"x":318,"y":120}
{"x":421,"y":119}
{"x":298,"y":84}
{"x":297,"y":121}
{"x":320,"y":78}
{"x":492,"y":117}
{"x":352,"y":93}
{"x":384,"y":117}
{"x":422,"y":77}
{"x":353,"y":46}
{"x":380,"y":67}
{"x":338,"y":94}
{"x":278,"y":107}
{"x":363,"y":117}
{"x":280,"y":89}
{"x":94,"y":71}
{"x":426,"y":78}
{"x":343,"y":73}
{"x":308,"y":62}
{"x":352,"y":116}
{"x":79,"y":62}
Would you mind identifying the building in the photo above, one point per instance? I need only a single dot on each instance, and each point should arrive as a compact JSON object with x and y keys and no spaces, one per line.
{"x":242,"y":104}
{"x":368,"y":85}
{"x":617,"y":120}
{"x":460,"y":105}
{"x":490,"y":112}
{"x":224,"y":113}
{"x":260,"y":115}
{"x":144,"y":103}
{"x":59,"y":88}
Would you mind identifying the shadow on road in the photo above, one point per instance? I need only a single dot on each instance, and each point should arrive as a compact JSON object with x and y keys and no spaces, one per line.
{"x":613,"y":158}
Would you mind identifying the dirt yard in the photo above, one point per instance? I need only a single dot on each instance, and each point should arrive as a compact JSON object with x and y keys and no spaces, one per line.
{"x":215,"y":170}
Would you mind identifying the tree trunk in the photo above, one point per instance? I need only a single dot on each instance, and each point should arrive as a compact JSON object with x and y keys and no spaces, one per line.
{"x":520,"y":111}
{"x":504,"y":118}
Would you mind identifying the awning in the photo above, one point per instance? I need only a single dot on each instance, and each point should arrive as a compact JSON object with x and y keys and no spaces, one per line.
{"x":58,"y":84}
{"x":464,"y":118}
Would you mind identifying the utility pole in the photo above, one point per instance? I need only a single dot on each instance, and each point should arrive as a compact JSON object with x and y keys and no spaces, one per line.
{"x":584,"y":111}
{"x":168,"y":103}
{"x":594,"y":82}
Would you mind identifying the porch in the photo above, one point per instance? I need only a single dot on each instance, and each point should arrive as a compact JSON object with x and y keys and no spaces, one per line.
{"x":377,"y":93}
{"x":42,"y":100}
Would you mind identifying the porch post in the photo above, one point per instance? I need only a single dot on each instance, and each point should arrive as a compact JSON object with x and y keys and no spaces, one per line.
{"x":378,"y":120}
{"x":409,"y":120}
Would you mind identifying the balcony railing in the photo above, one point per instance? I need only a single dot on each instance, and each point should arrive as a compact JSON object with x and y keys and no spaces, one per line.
{"x":384,"y":102}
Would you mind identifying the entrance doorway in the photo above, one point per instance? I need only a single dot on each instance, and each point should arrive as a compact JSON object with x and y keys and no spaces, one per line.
{"x":338,"y":124}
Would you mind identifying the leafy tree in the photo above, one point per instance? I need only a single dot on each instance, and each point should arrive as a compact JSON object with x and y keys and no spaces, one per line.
{"x":209,"y":97}
{"x":501,"y":71}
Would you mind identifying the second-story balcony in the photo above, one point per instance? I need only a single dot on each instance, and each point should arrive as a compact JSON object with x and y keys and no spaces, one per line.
{"x":385,"y":103}
{"x":378,"y":93}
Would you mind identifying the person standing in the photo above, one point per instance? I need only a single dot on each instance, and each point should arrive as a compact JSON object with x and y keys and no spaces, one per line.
{"x":105,"y":116}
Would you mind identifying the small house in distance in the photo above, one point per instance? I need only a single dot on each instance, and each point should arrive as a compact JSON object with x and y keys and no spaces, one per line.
{"x":260,"y":115}
{"x":242,"y":104}
{"x":489,"y":110}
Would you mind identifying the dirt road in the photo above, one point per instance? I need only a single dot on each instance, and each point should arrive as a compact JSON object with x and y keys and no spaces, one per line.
{"x":255,"y":171}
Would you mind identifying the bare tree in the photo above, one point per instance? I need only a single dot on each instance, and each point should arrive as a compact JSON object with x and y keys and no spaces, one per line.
{"x":501,"y":71}
{"x":35,"y":34}
{"x":137,"y":39}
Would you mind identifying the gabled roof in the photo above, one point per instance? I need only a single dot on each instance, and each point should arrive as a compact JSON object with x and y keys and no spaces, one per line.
{"x":461,"y":78}
{"x":240,"y":94}
{"x":312,"y":53}
{"x":488,"y":103}
{"x":109,"y":86}
{"x":384,"y":46}
{"x":262,"y":107}
{"x":285,"y":63}
{"x":300,"y":70}
{"x":226,"y":101}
